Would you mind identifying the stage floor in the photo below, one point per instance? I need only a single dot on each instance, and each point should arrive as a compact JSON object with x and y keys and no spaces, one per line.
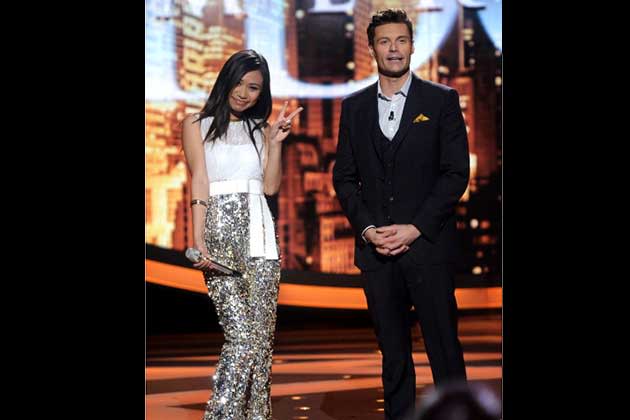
{"x":331,"y":374}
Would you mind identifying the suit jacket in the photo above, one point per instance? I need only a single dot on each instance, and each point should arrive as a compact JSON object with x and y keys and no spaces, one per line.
{"x":418,"y":179}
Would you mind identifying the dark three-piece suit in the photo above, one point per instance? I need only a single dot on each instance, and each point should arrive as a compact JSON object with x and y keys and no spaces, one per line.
{"x":416,"y":178}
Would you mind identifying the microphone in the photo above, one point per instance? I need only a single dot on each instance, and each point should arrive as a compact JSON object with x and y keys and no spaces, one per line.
{"x":195,"y":256}
{"x":391,"y":115}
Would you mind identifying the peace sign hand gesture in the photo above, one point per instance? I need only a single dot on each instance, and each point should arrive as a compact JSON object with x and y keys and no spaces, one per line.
{"x":281,"y":127}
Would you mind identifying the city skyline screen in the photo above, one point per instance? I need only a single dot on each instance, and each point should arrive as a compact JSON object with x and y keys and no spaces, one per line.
{"x":317,"y":54}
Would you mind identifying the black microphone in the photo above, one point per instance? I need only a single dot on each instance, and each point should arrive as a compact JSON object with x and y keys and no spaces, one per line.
{"x":391,"y":115}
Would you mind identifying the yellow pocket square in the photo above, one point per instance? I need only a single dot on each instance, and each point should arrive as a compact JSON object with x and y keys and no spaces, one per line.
{"x":421,"y":118}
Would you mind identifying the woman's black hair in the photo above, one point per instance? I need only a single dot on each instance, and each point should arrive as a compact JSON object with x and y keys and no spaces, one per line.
{"x":218,"y":105}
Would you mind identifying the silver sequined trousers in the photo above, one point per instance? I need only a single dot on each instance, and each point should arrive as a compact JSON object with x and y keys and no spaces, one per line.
{"x":246,"y":308}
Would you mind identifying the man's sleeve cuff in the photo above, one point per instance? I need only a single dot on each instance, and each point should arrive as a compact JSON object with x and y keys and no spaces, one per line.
{"x":365,"y":230}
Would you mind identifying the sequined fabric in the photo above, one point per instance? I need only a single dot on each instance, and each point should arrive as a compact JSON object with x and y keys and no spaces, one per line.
{"x":246,"y":308}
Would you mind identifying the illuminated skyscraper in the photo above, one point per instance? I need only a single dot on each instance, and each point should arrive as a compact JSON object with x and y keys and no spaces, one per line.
{"x":478,"y":62}
{"x":299,"y":154}
{"x":293,"y":14}
{"x":165,"y":170}
{"x":336,"y":245}
{"x":470,"y":63}
{"x":364,"y":65}
{"x":205,"y":37}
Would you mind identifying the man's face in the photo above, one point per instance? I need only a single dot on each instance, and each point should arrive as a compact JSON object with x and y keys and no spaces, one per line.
{"x":392,"y":49}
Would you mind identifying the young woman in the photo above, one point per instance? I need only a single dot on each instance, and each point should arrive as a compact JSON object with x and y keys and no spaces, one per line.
{"x":234,"y":158}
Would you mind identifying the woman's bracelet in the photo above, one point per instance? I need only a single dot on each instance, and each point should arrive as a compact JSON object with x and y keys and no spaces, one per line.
{"x":196,"y":201}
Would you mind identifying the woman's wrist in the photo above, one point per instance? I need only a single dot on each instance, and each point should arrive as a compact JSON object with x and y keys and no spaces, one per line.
{"x":275,"y":145}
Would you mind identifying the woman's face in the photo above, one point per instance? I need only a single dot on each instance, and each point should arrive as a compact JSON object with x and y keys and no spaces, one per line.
{"x":245,"y":94}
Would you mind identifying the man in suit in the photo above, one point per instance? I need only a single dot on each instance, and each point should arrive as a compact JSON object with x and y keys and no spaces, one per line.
{"x":402,"y":165}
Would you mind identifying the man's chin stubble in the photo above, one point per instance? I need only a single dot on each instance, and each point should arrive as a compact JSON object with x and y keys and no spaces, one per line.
{"x":394,"y":74}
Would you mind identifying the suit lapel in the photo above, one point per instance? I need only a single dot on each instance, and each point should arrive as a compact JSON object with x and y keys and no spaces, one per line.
{"x":413,"y":105}
{"x":368,"y":115}
{"x":370,"y":112}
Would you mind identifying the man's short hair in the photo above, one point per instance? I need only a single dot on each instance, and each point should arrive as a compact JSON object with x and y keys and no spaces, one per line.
{"x":386,"y":16}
